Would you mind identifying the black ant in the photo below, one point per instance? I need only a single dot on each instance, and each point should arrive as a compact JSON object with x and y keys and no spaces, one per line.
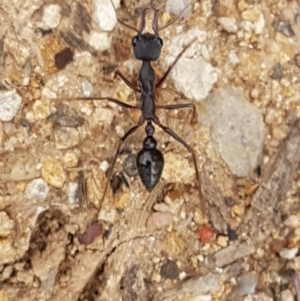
{"x":150,"y":161}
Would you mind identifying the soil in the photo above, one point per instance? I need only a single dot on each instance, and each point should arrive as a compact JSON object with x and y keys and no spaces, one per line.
{"x":60,"y":241}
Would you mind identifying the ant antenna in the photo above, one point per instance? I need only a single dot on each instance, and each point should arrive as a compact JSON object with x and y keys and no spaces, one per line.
{"x":121,"y":22}
{"x":155,"y":27}
{"x":143,"y":22}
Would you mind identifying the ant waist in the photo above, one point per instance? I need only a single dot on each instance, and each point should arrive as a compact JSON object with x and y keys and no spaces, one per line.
{"x":148,"y":94}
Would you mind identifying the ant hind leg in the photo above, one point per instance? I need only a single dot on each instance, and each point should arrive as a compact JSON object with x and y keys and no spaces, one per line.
{"x":191,"y":150}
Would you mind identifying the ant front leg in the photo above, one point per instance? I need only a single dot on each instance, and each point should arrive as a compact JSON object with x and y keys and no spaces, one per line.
{"x":110,"y":170}
{"x":191,"y":150}
{"x":180,"y":106}
{"x":108,"y":99}
{"x":171,"y":67}
{"x":127,"y":82}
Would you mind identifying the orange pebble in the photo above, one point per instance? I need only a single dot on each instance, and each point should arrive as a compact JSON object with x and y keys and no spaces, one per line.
{"x":206,"y":234}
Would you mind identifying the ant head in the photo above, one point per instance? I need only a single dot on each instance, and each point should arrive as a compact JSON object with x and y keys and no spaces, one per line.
{"x":147,"y":47}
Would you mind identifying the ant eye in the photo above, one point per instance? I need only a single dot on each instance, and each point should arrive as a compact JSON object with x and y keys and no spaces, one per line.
{"x":160,"y":42}
{"x":135,"y":41}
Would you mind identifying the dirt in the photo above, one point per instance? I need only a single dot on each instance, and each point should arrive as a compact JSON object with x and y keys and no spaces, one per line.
{"x":62,"y":241}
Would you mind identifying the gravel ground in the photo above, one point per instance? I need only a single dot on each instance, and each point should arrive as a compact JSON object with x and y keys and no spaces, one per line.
{"x":232,"y":236}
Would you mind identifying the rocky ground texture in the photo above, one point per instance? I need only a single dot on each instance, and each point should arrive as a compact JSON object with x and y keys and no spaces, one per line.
{"x":58,"y":242}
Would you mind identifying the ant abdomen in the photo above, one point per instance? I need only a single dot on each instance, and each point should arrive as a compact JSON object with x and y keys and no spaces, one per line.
{"x":150,"y":164}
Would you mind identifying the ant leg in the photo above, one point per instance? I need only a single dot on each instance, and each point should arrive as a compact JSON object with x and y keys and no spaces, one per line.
{"x":180,"y":106}
{"x":191,"y":150}
{"x":127,"y":134}
{"x":162,"y":80}
{"x":127,"y":82}
{"x":109,"y":99}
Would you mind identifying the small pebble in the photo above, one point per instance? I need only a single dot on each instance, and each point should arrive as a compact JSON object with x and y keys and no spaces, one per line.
{"x":156,"y":277}
{"x":178,"y":7}
{"x":53,"y":173}
{"x":245,"y":285}
{"x":206,"y":234}
{"x":3,"y":295}
{"x":120,"y":131}
{"x":101,"y":41}
{"x":238,"y":209}
{"x":129,"y":165}
{"x":104,"y":115}
{"x":247,"y":26}
{"x":169,"y":270}
{"x":182,"y":275}
{"x":86,"y":109}
{"x":72,"y":192}
{"x":122,"y":200}
{"x":198,"y":217}
{"x":228,"y":24}
{"x":162,"y":207}
{"x":66,"y":137}
{"x":117,"y":183}
{"x":254,"y":93}
{"x":296,"y":281}
{"x":286,"y":295}
{"x":200,"y":258}
{"x":25,"y":277}
{"x":232,"y":253}
{"x":277,"y":71}
{"x":233,"y":58}
{"x":37,"y":190}
{"x":6,"y":224}
{"x":284,"y":27}
{"x":288,"y":253}
{"x":93,"y":230}
{"x":65,"y":117}
{"x":87,"y":89}
{"x":232,"y":235}
{"x":104,"y":166}
{"x":177,"y":169}
{"x":40,"y":109}
{"x":251,"y":14}
{"x":10,"y":102}
{"x":94,"y":186}
{"x":105,"y":14}
{"x":70,"y":159}
{"x":259,"y":25}
{"x":159,"y":220}
{"x":199,"y":285}
{"x":279,"y":133}
{"x":19,"y":50}
{"x":7,"y":272}
{"x":287,"y":13}
{"x":237,"y":129}
{"x":222,"y":241}
{"x":63,"y":58}
{"x":85,"y":64}
{"x":192,"y":75}
{"x":51,"y":16}
{"x":7,"y":251}
{"x":197,"y":78}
